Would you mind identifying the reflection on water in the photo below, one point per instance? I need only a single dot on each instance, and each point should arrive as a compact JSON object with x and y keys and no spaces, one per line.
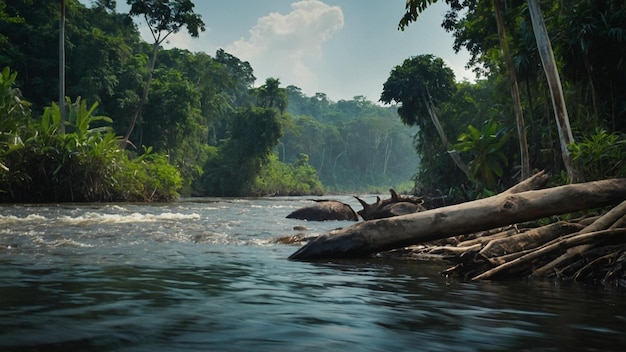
{"x":202,"y":276}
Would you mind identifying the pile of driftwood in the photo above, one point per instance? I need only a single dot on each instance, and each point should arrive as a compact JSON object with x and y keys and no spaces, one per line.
{"x":590,"y":248}
{"x":510,"y":235}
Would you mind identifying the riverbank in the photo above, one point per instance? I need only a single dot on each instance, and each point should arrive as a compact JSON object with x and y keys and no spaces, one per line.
{"x":569,"y":232}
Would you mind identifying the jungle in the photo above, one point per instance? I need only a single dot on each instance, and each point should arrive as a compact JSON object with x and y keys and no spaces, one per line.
{"x":137,"y":122}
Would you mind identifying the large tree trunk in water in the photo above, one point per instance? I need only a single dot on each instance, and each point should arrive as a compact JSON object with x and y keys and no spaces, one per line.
{"x":516,"y":205}
{"x":556,"y":91}
{"x":517,"y":104}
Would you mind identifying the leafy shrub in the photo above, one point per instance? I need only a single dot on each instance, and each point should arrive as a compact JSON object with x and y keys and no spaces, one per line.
{"x":278,"y":178}
{"x":150,"y":178}
{"x":53,"y":160}
{"x":486,"y":148}
{"x":600,"y":154}
{"x":232,"y":168}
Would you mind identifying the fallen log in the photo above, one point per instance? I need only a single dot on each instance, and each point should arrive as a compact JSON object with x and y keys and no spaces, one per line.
{"x":561,"y":244}
{"x":566,"y":257}
{"x":607,"y":220}
{"x":486,"y":237}
{"x":619,"y":223}
{"x":527,"y":240}
{"x":495,"y":261}
{"x":394,"y":206}
{"x":616,"y":267}
{"x":516,"y":205}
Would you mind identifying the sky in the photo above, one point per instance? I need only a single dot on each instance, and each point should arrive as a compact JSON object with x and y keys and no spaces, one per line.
{"x":343,"y":48}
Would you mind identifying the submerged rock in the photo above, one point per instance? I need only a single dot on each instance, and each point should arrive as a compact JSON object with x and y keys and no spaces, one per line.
{"x":324,"y":210}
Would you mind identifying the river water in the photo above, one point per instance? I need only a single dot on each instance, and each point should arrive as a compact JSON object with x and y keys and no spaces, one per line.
{"x":204,"y":275}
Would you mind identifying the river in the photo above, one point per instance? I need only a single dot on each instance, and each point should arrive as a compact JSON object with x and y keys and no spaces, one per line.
{"x":204,"y":275}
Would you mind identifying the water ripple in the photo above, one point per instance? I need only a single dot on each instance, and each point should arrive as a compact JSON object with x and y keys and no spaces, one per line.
{"x":205,"y":275}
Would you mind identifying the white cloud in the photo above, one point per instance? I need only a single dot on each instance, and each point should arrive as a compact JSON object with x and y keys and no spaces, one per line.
{"x":341,"y":51}
{"x":289,"y":43}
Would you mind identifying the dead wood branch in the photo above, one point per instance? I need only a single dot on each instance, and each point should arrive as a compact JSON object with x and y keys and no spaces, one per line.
{"x":529,"y":239}
{"x":562,"y":245}
{"x":608,"y":219}
{"x":369,"y":237}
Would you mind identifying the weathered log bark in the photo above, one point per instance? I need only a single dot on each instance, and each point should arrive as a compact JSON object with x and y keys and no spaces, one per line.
{"x":528,"y":240}
{"x":544,"y":47}
{"x":607,"y":220}
{"x":566,"y":257}
{"x":458,"y":251}
{"x":495,"y":261}
{"x":486,"y":237}
{"x":394,"y":206}
{"x":560,"y":244}
{"x":369,"y":237}
{"x":619,"y":223}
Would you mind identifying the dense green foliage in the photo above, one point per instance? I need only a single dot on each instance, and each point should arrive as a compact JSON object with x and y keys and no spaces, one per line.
{"x":232,"y":169}
{"x":278,"y":178}
{"x":207,"y":130}
{"x":163,"y":19}
{"x":202,"y":113}
{"x":487,"y":154}
{"x":601,"y":154}
{"x":589,"y":41}
{"x":419,"y":85}
{"x":354,"y":145}
{"x":52,"y":160}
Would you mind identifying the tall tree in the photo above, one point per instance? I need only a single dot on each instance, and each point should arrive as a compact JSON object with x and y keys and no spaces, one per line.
{"x":591,"y":40}
{"x":164,"y":17}
{"x":231,"y":170}
{"x":517,"y":103}
{"x":62,"y":59}
{"x":6,"y":18}
{"x":415,"y":7}
{"x":417,"y":84}
{"x":556,"y":91}
{"x":270,"y":95}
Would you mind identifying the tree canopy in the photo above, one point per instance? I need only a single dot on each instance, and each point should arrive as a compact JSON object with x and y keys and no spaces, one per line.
{"x":221,"y":135}
{"x":417,"y":82}
{"x":570,"y":28}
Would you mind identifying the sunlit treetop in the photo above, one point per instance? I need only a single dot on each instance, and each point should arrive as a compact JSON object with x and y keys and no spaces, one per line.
{"x":165,"y":17}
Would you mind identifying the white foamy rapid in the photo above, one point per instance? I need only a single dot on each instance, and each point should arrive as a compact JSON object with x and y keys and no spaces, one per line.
{"x":97,"y":218}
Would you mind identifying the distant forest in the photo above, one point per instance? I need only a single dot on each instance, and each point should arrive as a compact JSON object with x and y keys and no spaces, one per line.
{"x":354,"y":145}
{"x":163,"y":123}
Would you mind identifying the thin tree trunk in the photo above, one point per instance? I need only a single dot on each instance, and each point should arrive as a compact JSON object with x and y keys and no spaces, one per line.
{"x":517,"y":104}
{"x":588,"y":240}
{"x":453,"y":153}
{"x":62,"y":65}
{"x":589,"y":70}
{"x":388,"y":150}
{"x":144,"y":97}
{"x":556,"y":90}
